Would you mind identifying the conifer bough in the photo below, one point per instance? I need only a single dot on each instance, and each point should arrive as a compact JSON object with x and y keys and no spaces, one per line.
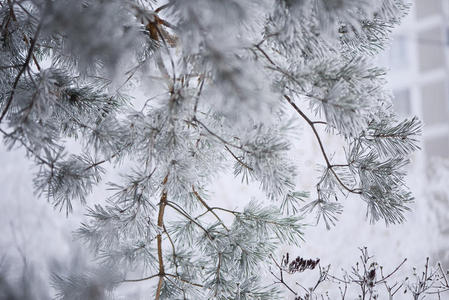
{"x":225,"y":84}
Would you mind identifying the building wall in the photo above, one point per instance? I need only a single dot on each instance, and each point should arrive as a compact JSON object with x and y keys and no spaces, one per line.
{"x":419,"y":77}
{"x":418,"y":60}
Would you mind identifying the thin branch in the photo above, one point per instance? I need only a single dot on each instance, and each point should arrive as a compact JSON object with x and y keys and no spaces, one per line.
{"x":238,"y":159}
{"x":218,"y":272}
{"x":141,"y":279}
{"x":22,"y":70}
{"x":25,"y":38}
{"x":265,"y":54}
{"x":186,"y":215}
{"x":198,"y":94}
{"x":11,"y":67}
{"x":394,"y":271}
{"x":235,"y":213}
{"x":173,"y":250}
{"x":443,"y":274}
{"x":183,"y":280}
{"x":310,"y":122}
{"x":110,"y":158}
{"x":160,"y":224}
{"x":219,"y":137}
{"x":208,"y":208}
{"x":326,"y":158}
{"x":163,"y":275}
{"x":37,"y":156}
{"x":172,"y":63}
{"x":281,"y":276}
{"x":162,"y":7}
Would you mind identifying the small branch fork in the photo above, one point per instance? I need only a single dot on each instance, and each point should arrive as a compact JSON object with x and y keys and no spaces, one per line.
{"x":161,"y":275}
{"x":14,"y":18}
{"x":29,"y":149}
{"x":282,"y":266}
{"x":222,"y":140}
{"x":280,"y":278}
{"x":312,"y":124}
{"x":160,"y":223}
{"x":326,"y":158}
{"x":183,"y":213}
{"x":177,"y":277}
{"x":25,"y":66}
{"x":226,"y":144}
{"x":430,"y":282}
{"x":209,"y":209}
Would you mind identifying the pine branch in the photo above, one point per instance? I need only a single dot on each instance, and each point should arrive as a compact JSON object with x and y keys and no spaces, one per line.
{"x":173,"y":250}
{"x":21,"y":71}
{"x":323,"y":152}
{"x":142,"y":279}
{"x":30,"y":150}
{"x":188,"y":217}
{"x":209,"y":209}
{"x":312,"y":125}
{"x":238,"y":159}
{"x":160,"y":224}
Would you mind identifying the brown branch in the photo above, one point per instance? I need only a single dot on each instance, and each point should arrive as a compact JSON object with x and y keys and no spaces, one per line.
{"x":183,"y":280}
{"x":443,"y":274}
{"x":198,"y":94}
{"x":160,"y":224}
{"x":173,"y":250}
{"x":25,"y":38}
{"x":264,"y":54}
{"x":326,"y":158}
{"x":394,"y":271}
{"x":141,"y":279}
{"x":162,"y":7}
{"x":309,"y":121}
{"x":95,"y":164}
{"x":186,"y":215}
{"x":235,"y":213}
{"x":208,"y":208}
{"x":163,"y":275}
{"x":28,"y":148}
{"x":281,"y":276}
{"x":172,"y":63}
{"x":22,"y":70}
{"x":218,"y":272}
{"x":219,"y":137}
{"x":238,"y":159}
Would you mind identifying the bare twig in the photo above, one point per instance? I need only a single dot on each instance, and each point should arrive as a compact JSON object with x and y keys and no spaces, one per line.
{"x":393,"y":272}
